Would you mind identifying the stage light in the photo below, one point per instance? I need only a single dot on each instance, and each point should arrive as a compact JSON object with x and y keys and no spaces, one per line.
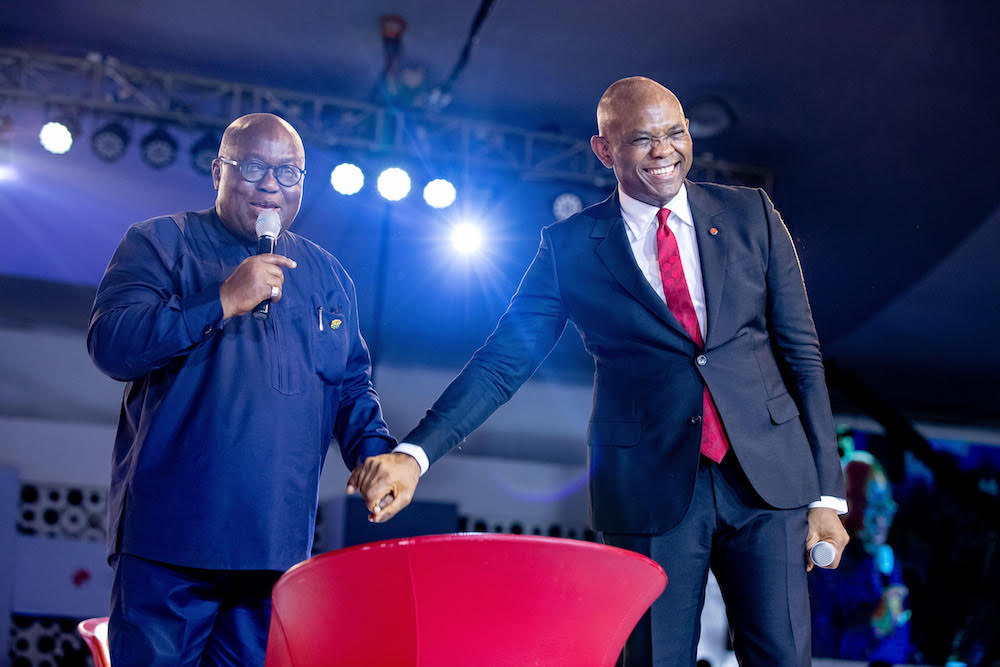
{"x":439,"y":193}
{"x":347,"y":178}
{"x":109,"y":142}
{"x":709,"y":116}
{"x":56,"y":137}
{"x":7,"y":173}
{"x":158,"y":149}
{"x":203,"y":153}
{"x":393,"y":184}
{"x":467,"y":238}
{"x":565,"y":205}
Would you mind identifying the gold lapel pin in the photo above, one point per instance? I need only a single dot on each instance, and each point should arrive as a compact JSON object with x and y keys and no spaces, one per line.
{"x":335,"y":324}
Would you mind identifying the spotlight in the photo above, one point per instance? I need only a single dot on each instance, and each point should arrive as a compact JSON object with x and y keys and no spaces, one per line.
{"x":347,"y":178}
{"x":203,"y":153}
{"x":710,"y":116}
{"x":56,"y":137}
{"x":109,"y":142}
{"x":467,"y":238}
{"x":439,"y":193}
{"x":565,"y":205}
{"x":393,"y":184}
{"x":158,"y":149}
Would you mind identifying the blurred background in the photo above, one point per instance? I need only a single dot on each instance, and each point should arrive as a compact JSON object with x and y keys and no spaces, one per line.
{"x":873,"y":126}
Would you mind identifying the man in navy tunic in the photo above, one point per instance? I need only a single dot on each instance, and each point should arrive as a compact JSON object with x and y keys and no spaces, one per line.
{"x":226,"y":418}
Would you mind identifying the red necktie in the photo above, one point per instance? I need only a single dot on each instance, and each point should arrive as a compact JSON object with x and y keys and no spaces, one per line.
{"x":675,"y":289}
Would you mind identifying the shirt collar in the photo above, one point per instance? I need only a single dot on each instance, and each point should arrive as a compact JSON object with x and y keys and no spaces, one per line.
{"x":639,"y":216}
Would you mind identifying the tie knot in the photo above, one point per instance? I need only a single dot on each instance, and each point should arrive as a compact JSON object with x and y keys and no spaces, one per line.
{"x":662,"y":216}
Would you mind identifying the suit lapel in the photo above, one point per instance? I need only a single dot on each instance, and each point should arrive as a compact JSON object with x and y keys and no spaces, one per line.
{"x":712,"y":249}
{"x":615,"y":252}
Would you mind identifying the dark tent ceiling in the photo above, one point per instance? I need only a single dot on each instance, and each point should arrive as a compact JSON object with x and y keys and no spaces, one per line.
{"x":878,"y":120}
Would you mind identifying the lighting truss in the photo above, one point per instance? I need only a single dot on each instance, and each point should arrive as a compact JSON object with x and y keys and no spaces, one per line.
{"x":103,"y":84}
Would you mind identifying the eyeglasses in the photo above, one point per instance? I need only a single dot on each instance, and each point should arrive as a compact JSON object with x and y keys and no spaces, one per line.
{"x":254,"y":171}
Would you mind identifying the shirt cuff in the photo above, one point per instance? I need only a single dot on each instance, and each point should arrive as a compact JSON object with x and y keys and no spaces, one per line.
{"x":831,"y":502}
{"x":417,"y":452}
{"x":202,"y":313}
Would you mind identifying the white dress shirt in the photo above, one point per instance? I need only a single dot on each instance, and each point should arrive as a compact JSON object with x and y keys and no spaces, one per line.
{"x":640,"y":228}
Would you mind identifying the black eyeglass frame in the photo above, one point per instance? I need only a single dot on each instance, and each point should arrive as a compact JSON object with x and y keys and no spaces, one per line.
{"x":241,"y":165}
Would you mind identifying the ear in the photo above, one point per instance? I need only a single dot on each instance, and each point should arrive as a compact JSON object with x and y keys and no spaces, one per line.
{"x":216,"y":172}
{"x":602,"y":149}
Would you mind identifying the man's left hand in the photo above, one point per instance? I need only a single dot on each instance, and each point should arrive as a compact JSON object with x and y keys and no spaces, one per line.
{"x":386,"y":483}
{"x":825,"y":525}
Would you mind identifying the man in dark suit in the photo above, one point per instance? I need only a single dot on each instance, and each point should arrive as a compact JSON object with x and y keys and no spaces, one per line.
{"x":711,"y":439}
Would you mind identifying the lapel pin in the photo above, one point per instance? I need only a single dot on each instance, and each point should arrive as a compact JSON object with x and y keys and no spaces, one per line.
{"x":714,"y":231}
{"x":335,"y":324}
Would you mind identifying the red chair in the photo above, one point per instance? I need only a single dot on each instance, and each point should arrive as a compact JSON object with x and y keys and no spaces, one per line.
{"x":468,"y":599}
{"x":95,"y":633}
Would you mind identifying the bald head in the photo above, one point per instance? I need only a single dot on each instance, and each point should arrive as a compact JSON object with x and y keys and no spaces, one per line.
{"x":271,"y":141}
{"x":630,"y":93}
{"x":252,"y":127}
{"x":643,"y":136}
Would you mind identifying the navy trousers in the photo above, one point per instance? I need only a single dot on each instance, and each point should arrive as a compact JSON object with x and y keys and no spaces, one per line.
{"x":164,"y":614}
{"x":758,"y":556}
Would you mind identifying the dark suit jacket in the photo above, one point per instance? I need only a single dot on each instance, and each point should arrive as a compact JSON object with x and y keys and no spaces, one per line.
{"x":761,"y":362}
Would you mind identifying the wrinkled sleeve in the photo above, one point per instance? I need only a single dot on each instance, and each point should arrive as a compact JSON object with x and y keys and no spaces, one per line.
{"x":796,"y":346}
{"x":359,"y":426}
{"x":143,"y":317}
{"x":525,"y":334}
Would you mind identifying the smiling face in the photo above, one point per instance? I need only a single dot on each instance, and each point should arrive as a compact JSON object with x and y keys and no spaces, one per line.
{"x":271,"y":140}
{"x":644,"y":137}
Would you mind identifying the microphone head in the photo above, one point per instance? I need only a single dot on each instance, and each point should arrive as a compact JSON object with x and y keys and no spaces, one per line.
{"x":822,"y":553}
{"x":268,"y":224}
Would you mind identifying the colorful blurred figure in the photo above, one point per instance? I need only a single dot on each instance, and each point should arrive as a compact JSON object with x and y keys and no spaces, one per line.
{"x":859,"y":611}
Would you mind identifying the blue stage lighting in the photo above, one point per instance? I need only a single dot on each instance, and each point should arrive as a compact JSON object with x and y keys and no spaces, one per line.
{"x":439,"y":193}
{"x":347,"y":178}
{"x":203,"y":153}
{"x":55,"y":137}
{"x":467,"y":238}
{"x":393,"y":184}
{"x":109,"y":142}
{"x":158,"y":149}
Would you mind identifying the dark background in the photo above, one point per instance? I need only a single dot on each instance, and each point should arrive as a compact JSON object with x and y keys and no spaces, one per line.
{"x":877,"y":120}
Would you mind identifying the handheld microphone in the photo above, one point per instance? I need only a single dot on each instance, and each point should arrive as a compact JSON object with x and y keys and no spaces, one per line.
{"x":268,"y":227}
{"x":822,"y":553}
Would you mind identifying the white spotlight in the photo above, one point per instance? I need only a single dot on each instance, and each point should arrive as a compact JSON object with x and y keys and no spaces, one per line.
{"x":347,"y":178}
{"x":55,"y":137}
{"x":467,"y":238}
{"x":393,"y":184}
{"x":439,"y":193}
{"x":566,"y":204}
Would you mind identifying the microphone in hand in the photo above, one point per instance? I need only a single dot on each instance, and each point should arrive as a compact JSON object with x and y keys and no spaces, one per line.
{"x":268,"y":228}
{"x":822,"y":553}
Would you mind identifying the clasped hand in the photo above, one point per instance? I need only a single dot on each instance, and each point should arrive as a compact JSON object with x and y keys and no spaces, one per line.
{"x":386,"y":484}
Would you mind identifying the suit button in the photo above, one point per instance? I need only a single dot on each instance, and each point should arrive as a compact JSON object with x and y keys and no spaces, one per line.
{"x":696,"y":420}
{"x":701,"y":360}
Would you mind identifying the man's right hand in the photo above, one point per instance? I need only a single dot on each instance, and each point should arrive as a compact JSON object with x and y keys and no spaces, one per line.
{"x":386,"y":483}
{"x":251,"y":282}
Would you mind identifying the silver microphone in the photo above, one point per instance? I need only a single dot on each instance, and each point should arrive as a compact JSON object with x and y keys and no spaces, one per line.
{"x":268,"y":227}
{"x":823,"y":553}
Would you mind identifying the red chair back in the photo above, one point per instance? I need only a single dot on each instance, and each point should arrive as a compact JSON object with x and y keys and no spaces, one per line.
{"x":467,"y":599}
{"x":95,"y":634}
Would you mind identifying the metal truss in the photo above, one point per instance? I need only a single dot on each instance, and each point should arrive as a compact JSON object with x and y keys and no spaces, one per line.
{"x":103,"y":85}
